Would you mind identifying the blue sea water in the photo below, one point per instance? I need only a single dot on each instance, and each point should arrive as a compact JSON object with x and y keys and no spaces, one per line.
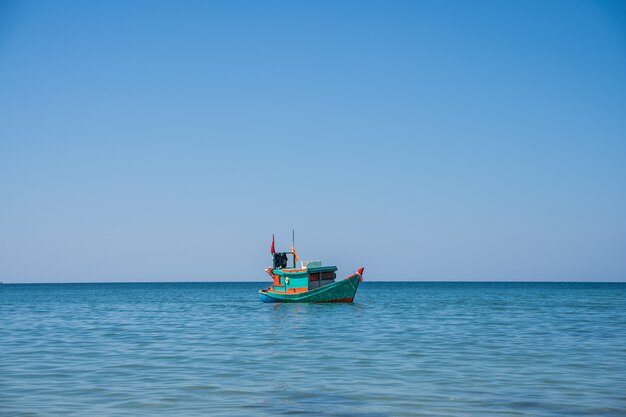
{"x":402,"y":349}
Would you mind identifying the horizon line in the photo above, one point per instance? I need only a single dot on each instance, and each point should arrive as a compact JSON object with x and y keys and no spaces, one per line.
{"x":264,"y":282}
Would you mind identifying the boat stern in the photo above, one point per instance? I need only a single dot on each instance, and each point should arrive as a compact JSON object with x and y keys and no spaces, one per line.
{"x":266,"y":298}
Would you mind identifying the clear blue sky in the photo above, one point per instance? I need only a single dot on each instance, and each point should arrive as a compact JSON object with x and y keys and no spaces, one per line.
{"x":167,"y":141}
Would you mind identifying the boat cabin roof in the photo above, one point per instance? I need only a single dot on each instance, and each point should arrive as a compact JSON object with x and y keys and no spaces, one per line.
{"x":305,"y":270}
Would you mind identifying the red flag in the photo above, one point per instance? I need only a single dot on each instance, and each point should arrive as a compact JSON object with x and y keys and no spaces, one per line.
{"x":272,"y":251}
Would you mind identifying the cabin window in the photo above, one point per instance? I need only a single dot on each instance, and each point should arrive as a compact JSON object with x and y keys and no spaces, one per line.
{"x":328,"y":275}
{"x":315,"y":276}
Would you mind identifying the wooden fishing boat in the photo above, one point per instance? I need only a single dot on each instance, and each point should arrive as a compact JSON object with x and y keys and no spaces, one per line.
{"x":311,"y":283}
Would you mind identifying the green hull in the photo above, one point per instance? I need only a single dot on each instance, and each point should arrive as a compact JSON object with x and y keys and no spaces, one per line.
{"x":340,"y":291}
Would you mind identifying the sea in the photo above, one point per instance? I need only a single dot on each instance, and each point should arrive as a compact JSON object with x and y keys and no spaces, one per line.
{"x":401,"y":349}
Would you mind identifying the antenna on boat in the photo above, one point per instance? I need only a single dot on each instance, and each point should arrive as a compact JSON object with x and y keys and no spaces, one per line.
{"x":293,"y":241}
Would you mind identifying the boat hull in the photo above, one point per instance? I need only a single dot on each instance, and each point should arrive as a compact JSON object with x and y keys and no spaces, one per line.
{"x":339,"y":292}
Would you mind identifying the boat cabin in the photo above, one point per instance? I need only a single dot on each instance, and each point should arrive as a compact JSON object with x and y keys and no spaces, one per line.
{"x":309,"y":276}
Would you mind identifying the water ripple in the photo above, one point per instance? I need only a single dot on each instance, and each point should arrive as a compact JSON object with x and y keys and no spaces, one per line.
{"x":403,"y":349}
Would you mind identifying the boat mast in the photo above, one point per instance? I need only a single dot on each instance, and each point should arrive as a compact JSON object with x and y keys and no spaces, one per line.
{"x":293,"y":248}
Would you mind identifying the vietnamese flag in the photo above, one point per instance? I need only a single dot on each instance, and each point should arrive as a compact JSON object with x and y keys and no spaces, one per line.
{"x":272,"y":251}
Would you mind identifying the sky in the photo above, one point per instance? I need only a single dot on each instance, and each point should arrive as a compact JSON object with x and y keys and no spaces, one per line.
{"x":443,"y":140}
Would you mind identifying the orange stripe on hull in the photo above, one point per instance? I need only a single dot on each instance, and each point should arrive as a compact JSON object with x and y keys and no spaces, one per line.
{"x":290,"y":291}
